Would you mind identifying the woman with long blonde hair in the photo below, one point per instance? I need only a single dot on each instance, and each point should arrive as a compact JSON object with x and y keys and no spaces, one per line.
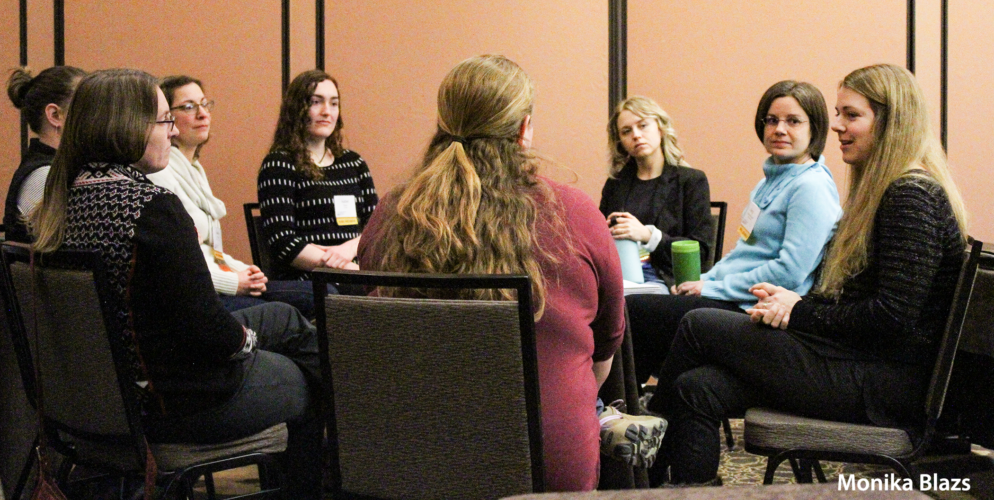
{"x":652,"y":195}
{"x":860,"y":347}
{"x":476,"y":204}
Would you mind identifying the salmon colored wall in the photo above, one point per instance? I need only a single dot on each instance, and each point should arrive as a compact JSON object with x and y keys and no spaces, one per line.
{"x":707,"y":63}
{"x":10,"y":117}
{"x":390,"y":57}
{"x":971,"y":110}
{"x":233,"y":47}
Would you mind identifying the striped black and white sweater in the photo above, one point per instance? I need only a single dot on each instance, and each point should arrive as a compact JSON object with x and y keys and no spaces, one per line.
{"x":297,"y":210}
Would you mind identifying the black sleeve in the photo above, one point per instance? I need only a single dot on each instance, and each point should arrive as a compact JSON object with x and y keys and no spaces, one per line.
{"x":696,"y":214}
{"x":173,"y":297}
{"x":607,"y":197}
{"x":907,"y":252}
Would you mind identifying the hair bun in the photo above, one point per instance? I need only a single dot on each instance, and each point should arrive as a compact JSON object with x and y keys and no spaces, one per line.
{"x":18,"y":85}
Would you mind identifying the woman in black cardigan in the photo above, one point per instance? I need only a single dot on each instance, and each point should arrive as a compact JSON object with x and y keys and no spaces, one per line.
{"x":861,"y":346}
{"x":652,"y":196}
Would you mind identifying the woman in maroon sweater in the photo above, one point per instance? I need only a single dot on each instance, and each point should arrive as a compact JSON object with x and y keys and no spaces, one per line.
{"x":477,"y":205}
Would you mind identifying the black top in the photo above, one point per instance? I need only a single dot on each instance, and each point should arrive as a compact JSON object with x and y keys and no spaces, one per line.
{"x":680,"y":207}
{"x":897,"y":307}
{"x":37,"y":155}
{"x":148,"y":243}
{"x":297,"y":210}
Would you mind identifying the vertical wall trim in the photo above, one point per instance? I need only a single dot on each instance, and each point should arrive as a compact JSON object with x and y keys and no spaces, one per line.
{"x":617,"y":74}
{"x":911,"y":36}
{"x":944,"y":75}
{"x":285,"y":27}
{"x":59,"y":6}
{"x":24,"y":62}
{"x":319,"y":35}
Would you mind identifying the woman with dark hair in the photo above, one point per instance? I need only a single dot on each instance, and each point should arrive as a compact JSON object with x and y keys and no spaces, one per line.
{"x":43,"y":101}
{"x":791,"y":215}
{"x":240,"y":285}
{"x":476,"y":205}
{"x":860,"y":348}
{"x":211,"y":376}
{"x":653,"y":196}
{"x":315,"y":196}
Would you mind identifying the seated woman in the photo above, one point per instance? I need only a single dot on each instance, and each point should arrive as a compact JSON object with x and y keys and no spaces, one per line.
{"x":861,"y":347}
{"x":791,"y":214}
{"x":477,"y":205}
{"x":239,"y":285}
{"x":43,"y":101}
{"x":315,"y":196}
{"x":652,"y":196}
{"x":212,"y":376}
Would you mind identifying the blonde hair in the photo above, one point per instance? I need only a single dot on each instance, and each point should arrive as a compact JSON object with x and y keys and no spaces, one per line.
{"x":643,"y":107}
{"x":470,"y":207}
{"x":904,"y":145}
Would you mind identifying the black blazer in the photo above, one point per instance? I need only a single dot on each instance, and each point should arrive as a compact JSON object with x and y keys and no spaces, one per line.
{"x":682,"y":206}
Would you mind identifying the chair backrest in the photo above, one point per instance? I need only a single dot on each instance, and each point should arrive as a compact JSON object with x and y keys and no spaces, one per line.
{"x":936,"y":395}
{"x":261,"y":255}
{"x":717,"y":234}
{"x":78,"y":344}
{"x":978,"y":327}
{"x":430,"y":398}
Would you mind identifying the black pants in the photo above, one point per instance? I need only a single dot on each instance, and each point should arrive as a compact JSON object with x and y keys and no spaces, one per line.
{"x":654,"y":320}
{"x":281,"y":384}
{"x":720,"y":363}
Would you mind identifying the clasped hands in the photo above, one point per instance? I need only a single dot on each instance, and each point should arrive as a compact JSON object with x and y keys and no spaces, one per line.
{"x":337,"y":257}
{"x":624,"y":226}
{"x":251,"y":282}
{"x":774,"y":305}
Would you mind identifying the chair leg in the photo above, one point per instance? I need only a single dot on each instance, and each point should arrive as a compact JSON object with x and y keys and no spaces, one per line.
{"x":29,"y":464}
{"x":802,"y":471}
{"x":819,"y":472}
{"x":729,"y":439}
{"x":771,"y":468}
{"x":209,"y":486}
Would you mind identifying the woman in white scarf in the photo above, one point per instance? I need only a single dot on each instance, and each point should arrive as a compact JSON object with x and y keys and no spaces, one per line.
{"x":240,"y":285}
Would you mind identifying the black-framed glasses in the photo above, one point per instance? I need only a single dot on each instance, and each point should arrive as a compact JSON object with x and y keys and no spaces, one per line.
{"x":191,"y":107}
{"x":791,"y":121}
{"x":170,"y":120}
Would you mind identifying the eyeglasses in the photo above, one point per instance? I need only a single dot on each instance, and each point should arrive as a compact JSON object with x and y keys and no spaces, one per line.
{"x":170,"y":120}
{"x":191,"y":107}
{"x":791,"y":121}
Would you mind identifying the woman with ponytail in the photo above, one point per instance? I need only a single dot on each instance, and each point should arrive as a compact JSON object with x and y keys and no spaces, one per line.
{"x":43,"y":101}
{"x":476,"y":204}
{"x":315,"y":196}
{"x":860,"y":347}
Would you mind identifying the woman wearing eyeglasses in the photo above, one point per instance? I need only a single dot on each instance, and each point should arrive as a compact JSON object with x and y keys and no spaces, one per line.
{"x":240,"y":285}
{"x":211,"y":376}
{"x":790,"y":216}
{"x":315,"y":196}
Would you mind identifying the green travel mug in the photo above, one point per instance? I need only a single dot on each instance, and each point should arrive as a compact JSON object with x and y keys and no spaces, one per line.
{"x":686,"y":260}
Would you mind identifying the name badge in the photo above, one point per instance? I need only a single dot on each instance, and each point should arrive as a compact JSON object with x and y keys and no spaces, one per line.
{"x":216,"y":236}
{"x":219,"y":260}
{"x":749,"y":220}
{"x":345,"y":211}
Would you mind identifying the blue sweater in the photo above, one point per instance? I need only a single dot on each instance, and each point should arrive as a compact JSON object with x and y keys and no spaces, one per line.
{"x":799,"y":208}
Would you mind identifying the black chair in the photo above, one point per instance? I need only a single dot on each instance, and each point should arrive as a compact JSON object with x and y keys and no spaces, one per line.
{"x":430,"y":398}
{"x":62,"y":314}
{"x":261,"y":255}
{"x":717,"y":235}
{"x":804,"y":441}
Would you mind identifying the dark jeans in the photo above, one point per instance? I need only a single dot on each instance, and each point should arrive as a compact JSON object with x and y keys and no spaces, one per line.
{"x":299,"y":294}
{"x":654,"y":319}
{"x":721,"y":363}
{"x":281,"y":384}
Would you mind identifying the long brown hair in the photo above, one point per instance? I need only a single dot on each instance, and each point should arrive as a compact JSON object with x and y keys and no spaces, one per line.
{"x":291,"y":128}
{"x":110,"y":120}
{"x":470,"y":207}
{"x":904,"y":145}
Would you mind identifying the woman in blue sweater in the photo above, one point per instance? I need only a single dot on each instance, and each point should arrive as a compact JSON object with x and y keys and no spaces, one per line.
{"x":791,"y":214}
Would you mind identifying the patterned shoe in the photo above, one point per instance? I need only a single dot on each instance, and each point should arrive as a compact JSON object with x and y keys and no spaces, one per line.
{"x":631,"y":439}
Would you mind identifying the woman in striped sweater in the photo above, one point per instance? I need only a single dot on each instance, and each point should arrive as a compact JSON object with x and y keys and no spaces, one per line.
{"x":315,"y":196}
